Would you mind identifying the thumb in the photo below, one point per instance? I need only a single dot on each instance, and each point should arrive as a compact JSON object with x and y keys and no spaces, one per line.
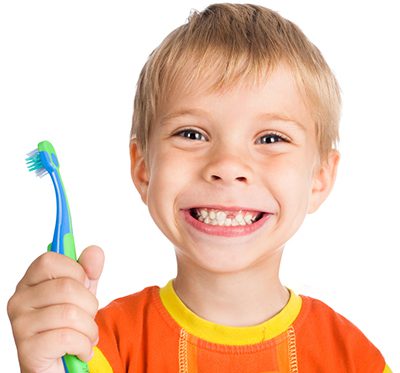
{"x":92,"y":261}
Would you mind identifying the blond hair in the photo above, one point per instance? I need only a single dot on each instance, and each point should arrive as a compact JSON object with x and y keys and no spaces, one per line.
{"x":226,"y":43}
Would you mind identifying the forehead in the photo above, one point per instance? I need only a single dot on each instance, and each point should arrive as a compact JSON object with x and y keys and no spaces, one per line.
{"x":275,"y":94}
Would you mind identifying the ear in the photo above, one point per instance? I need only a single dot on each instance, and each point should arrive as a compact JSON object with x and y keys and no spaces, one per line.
{"x":323,"y":180}
{"x":139,"y":172}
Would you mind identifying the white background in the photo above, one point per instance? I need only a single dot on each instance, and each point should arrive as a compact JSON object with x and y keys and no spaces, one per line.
{"x":67,"y":74}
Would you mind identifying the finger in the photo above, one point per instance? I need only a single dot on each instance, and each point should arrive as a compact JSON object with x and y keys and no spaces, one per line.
{"x":60,"y":291}
{"x":92,"y":261}
{"x":51,"y":265}
{"x":51,"y":345}
{"x":61,"y":316}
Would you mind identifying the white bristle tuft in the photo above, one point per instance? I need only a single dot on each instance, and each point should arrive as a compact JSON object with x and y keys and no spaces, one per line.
{"x":32,"y":153}
{"x":41,"y":172}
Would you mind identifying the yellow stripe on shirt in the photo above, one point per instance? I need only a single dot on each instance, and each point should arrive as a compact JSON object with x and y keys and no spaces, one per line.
{"x":229,"y":335}
{"x":98,"y":363}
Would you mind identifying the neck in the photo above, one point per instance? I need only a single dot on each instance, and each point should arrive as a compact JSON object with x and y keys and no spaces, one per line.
{"x":244,"y":298}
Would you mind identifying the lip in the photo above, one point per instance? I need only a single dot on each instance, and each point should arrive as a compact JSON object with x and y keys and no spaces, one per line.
{"x":232,"y":231}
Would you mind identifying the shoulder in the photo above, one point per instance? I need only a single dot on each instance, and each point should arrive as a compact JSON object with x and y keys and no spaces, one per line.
{"x":127,"y":308}
{"x":120,"y":326}
{"x":323,"y":331}
{"x":127,"y":301}
{"x":323,"y":316}
{"x":321,"y":311}
{"x":318,"y":316}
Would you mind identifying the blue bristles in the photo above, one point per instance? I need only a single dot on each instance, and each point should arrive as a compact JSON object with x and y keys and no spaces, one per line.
{"x":34,"y":163}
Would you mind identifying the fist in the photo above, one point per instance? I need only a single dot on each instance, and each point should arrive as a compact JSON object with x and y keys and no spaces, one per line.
{"x":53,"y":308}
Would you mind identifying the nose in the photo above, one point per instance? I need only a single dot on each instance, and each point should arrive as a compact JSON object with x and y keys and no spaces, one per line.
{"x":228,"y":167}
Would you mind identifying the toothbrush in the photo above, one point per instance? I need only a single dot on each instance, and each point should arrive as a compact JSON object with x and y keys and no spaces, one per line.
{"x":43,"y":161}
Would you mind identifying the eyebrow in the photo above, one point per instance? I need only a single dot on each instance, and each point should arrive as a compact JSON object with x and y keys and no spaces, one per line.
{"x":282,"y":118}
{"x":183,"y":112}
{"x":263,"y":116}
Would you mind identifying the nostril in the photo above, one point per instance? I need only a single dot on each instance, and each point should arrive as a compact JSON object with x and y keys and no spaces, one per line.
{"x":215,"y":177}
{"x":241,"y":178}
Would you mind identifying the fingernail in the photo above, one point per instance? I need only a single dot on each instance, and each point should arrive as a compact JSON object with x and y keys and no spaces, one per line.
{"x":87,"y":283}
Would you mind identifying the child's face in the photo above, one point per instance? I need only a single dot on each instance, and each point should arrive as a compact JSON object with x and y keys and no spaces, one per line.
{"x":250,"y":149}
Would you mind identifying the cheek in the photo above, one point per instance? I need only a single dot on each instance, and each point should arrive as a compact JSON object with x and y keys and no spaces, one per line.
{"x":290,"y":183}
{"x":168,"y":178}
{"x":167,"y":173}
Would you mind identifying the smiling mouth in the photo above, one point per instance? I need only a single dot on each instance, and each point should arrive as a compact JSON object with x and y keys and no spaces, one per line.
{"x":226,"y":218}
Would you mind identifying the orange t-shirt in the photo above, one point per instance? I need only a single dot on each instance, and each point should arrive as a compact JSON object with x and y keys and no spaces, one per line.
{"x":152,"y":331}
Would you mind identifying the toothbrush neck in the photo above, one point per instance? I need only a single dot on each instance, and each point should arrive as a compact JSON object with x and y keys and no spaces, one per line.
{"x":63,"y":219}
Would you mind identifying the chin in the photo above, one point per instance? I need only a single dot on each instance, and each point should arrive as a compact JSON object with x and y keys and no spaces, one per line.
{"x":221,"y":262}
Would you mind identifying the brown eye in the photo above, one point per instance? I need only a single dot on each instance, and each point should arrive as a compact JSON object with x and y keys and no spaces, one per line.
{"x":271,"y":138}
{"x":190,"y":134}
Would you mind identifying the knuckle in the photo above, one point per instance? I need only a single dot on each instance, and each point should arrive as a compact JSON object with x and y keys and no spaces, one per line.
{"x":19,"y":327}
{"x":95,"y":332}
{"x":65,"y":337}
{"x":15,"y":306}
{"x":65,"y":286}
{"x":11,"y":304}
{"x":95,"y":306}
{"x":87,"y":350}
{"x":87,"y":356}
{"x":24,"y":349}
{"x":45,"y":260}
{"x":74,"y":342}
{"x":69,"y":313}
{"x":82,"y":275}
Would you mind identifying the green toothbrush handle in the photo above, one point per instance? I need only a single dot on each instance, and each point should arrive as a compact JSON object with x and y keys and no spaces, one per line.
{"x":72,"y":364}
{"x":69,"y":246}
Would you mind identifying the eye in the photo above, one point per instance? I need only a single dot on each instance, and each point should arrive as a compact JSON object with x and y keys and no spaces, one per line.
{"x":272,"y":138}
{"x":190,"y":134}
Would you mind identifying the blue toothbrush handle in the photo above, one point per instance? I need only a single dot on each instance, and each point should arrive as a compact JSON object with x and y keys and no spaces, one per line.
{"x":63,"y":239}
{"x":72,"y":364}
{"x":44,"y":160}
{"x":63,"y":243}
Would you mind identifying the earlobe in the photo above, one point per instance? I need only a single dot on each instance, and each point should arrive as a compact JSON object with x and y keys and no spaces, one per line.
{"x":139,"y":171}
{"x":323,"y":181}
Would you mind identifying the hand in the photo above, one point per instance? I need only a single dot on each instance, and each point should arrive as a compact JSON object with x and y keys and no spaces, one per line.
{"x":53,"y":308}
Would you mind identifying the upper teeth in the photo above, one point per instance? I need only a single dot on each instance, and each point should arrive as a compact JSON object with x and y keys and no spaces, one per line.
{"x":218,"y":217}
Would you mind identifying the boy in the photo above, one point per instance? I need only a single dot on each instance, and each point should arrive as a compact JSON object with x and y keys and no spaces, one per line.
{"x":235,"y":121}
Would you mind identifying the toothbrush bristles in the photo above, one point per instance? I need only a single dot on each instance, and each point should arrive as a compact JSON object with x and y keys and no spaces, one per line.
{"x":41,"y":172}
{"x":34,"y":163}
